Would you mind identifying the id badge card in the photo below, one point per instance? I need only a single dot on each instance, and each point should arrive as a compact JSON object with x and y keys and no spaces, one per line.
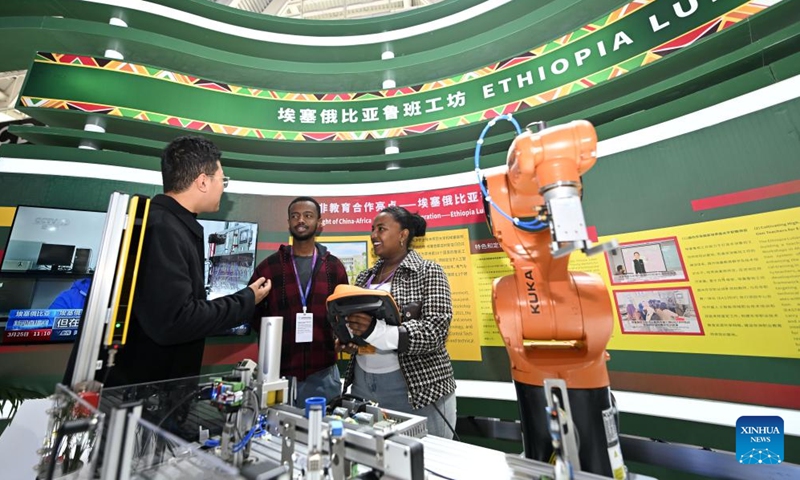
{"x":304,"y":328}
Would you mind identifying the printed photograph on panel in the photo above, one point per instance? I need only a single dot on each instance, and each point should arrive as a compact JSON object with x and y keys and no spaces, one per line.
{"x":651,"y":261}
{"x":352,"y":254}
{"x":671,"y":311}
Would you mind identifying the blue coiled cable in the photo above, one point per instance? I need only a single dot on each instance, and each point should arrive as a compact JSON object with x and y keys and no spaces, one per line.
{"x":256,"y":431}
{"x":533,"y":225}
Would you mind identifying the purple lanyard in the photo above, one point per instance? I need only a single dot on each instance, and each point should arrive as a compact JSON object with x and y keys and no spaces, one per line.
{"x":304,"y":292}
{"x":369,"y":281}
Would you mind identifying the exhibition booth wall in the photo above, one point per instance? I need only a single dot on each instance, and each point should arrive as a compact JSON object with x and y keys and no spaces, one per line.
{"x":709,"y":200}
{"x":696,"y":105}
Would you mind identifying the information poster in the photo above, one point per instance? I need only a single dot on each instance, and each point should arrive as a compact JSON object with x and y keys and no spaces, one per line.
{"x":489,"y":262}
{"x":723,"y":287}
{"x":728,"y":286}
{"x":450,"y":249}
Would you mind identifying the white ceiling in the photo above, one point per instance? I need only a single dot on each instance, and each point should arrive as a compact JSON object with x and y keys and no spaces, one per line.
{"x":326,"y":9}
{"x":11,"y":82}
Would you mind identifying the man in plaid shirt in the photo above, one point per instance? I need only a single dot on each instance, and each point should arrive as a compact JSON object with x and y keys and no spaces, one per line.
{"x":303,"y":275}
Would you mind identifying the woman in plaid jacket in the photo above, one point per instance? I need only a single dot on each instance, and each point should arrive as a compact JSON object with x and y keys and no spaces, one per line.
{"x":408,"y":369}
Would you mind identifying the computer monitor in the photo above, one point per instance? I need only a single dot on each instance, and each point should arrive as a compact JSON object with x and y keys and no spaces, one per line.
{"x":80,"y":263}
{"x":56,"y":256}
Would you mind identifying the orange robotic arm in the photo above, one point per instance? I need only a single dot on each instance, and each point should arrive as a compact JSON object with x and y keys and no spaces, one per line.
{"x":559,"y":322}
{"x":555,"y":324}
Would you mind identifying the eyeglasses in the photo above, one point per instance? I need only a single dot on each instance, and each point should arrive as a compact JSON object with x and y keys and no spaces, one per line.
{"x":225,"y":180}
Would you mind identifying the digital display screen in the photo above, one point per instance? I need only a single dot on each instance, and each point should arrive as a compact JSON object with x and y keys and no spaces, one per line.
{"x":53,"y":239}
{"x":42,"y":326}
{"x":50,"y":257}
{"x":230,"y":260}
{"x":46,"y":272}
{"x":42,"y":309}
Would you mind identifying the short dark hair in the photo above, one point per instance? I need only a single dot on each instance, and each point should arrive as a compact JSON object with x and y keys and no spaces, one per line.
{"x":304,"y":199}
{"x":413,"y":222}
{"x":184,"y":159}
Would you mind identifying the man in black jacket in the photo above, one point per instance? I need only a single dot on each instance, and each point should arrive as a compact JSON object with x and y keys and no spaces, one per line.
{"x":171,"y":315}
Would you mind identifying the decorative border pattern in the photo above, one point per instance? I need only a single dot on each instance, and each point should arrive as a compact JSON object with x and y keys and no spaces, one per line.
{"x":183,"y":79}
{"x":731,"y":18}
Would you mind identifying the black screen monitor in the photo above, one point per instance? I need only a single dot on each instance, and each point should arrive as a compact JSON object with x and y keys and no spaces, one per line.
{"x":56,"y":256}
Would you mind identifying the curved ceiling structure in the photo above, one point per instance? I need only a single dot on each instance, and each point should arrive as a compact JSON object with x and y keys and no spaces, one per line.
{"x":326,"y":9}
{"x":232,"y":49}
{"x":283,"y":96}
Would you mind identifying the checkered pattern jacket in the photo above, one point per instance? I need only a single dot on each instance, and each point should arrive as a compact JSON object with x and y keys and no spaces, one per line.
{"x":424,"y":360}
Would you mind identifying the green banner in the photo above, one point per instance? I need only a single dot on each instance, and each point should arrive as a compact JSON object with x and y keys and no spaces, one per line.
{"x":634,"y":35}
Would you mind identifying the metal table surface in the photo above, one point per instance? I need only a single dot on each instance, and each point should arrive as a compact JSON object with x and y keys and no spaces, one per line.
{"x":448,"y":459}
